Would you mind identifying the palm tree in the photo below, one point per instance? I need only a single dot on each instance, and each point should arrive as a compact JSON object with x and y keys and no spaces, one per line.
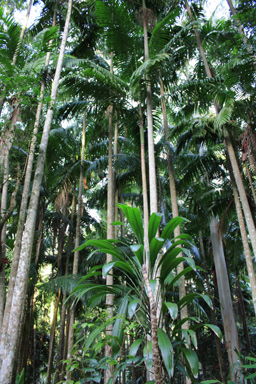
{"x":9,"y":340}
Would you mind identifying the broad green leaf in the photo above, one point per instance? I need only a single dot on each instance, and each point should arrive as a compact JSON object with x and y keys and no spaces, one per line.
{"x":107,"y":267}
{"x":169,"y":229}
{"x":190,"y":261}
{"x":171,"y":279}
{"x":166,"y":351}
{"x":134,"y":347}
{"x":173,"y":309}
{"x":192,"y":296}
{"x":192,"y":359}
{"x":170,"y":264}
{"x":117,"y":223}
{"x":158,"y":30}
{"x":92,"y":336}
{"x":210,"y":382}
{"x":153,"y":225}
{"x":134,"y":218}
{"x":207,"y":299}
{"x":251,"y":376}
{"x":215,"y":329}
{"x":132,"y":307}
{"x":135,"y":247}
{"x":97,"y":378}
{"x":118,"y":330}
{"x":193,"y":337}
{"x":153,"y":285}
{"x":154,"y":248}
{"x":138,"y":250}
{"x":186,"y":336}
{"x":251,"y":358}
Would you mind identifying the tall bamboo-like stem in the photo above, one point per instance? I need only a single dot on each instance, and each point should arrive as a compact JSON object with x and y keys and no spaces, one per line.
{"x":144,"y":187}
{"x":174,"y":201}
{"x":247,"y":251}
{"x":4,"y":163}
{"x":9,"y":341}
{"x":61,"y":242}
{"x":52,"y":338}
{"x":241,"y":190}
{"x":77,"y":239}
{"x":243,"y":314}
{"x":227,"y":308}
{"x":61,"y":370}
{"x":115,"y":173}
{"x":110,"y":229}
{"x":231,"y":153}
{"x":24,"y":199}
{"x":213,"y":315}
{"x":227,"y":312}
{"x":3,"y":238}
{"x":153,"y":321}
{"x":248,"y":172}
{"x":151,"y":150}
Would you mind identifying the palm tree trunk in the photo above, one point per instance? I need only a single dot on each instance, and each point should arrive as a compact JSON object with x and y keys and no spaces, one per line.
{"x":151,"y":151}
{"x":242,"y":314}
{"x":227,"y":312}
{"x":60,"y":352}
{"x":242,"y":194}
{"x":231,"y":153}
{"x":9,"y":341}
{"x":52,"y":339}
{"x":24,"y":203}
{"x":110,"y":230}
{"x":144,"y":187}
{"x":248,"y":172}
{"x":77,"y":241}
{"x":213,"y":315}
{"x":175,"y":209}
{"x":247,"y":251}
{"x":153,"y":321}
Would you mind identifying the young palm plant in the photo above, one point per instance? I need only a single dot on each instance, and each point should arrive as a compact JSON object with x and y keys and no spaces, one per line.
{"x":138,"y":298}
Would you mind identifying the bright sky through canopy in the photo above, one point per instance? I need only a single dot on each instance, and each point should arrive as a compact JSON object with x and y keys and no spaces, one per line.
{"x":221,"y":7}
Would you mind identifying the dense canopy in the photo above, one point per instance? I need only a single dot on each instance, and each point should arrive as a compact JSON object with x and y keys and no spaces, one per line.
{"x":128,"y":201}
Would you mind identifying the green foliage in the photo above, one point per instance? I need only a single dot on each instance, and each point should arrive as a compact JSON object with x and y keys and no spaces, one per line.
{"x":128,"y":260}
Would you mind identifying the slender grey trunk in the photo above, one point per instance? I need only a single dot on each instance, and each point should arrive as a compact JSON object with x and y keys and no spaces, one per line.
{"x":153,"y":321}
{"x":151,"y":150}
{"x":23,"y":205}
{"x":174,"y":202}
{"x":231,"y":153}
{"x":144,"y":188}
{"x":247,"y":251}
{"x":114,"y":176}
{"x":227,"y":312}
{"x":9,"y":341}
{"x":77,"y":242}
{"x":52,"y":339}
{"x":248,"y":172}
{"x":110,"y":231}
{"x":213,"y":315}
{"x":241,"y":190}
{"x":60,"y":352}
